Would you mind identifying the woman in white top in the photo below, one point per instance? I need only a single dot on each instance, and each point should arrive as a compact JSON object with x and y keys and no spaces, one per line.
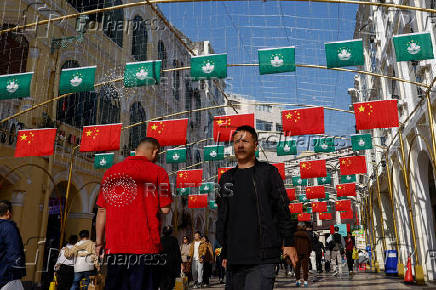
{"x":65,"y":267}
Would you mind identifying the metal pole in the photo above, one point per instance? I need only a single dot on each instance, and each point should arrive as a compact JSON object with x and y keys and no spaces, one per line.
{"x":381,"y":211}
{"x":430,"y":121}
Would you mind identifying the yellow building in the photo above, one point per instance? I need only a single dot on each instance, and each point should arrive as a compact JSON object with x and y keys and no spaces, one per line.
{"x":37,"y":185}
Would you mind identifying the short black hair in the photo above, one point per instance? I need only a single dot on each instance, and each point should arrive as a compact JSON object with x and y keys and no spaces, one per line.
{"x":84,"y":234}
{"x":167,"y":231}
{"x":5,"y":207}
{"x":198,"y":232}
{"x":149,"y":140}
{"x":336,"y":229}
{"x":72,"y":239}
{"x":248,"y":129}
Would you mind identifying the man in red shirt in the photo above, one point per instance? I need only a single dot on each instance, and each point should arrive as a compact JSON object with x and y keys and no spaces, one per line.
{"x":132,"y":194}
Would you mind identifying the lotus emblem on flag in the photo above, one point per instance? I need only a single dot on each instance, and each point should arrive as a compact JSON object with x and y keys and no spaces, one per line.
{"x":299,"y":181}
{"x":413,"y":48}
{"x":344,"y":54}
{"x":323,"y":179}
{"x":12,"y":87}
{"x":103,"y":162}
{"x":286,"y":148}
{"x":213,"y":153}
{"x":276,"y":61}
{"x":176,"y":156}
{"x":324,"y":146}
{"x":76,"y":81}
{"x":182,"y":190}
{"x":208,"y":68}
{"x":361,"y":142}
{"x":206,"y":187}
{"x":142,"y":74}
{"x":348,"y":177}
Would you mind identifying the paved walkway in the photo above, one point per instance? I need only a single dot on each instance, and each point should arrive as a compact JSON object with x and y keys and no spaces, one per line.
{"x":360,"y":280}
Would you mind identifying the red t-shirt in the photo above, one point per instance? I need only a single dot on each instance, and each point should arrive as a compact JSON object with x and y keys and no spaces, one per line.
{"x":129,"y":193}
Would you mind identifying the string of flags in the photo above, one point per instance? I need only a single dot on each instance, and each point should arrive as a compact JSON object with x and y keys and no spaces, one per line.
{"x":408,"y":47}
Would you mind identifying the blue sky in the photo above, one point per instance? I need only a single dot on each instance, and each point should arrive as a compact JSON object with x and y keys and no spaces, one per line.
{"x":240,"y":28}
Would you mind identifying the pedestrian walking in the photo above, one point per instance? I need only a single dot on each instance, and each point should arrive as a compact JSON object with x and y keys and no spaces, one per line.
{"x":197,"y":251}
{"x":349,"y":246}
{"x":84,"y":255}
{"x":337,"y":251}
{"x":12,"y":259}
{"x":220,"y":271}
{"x":173,"y":260}
{"x":319,"y":250}
{"x":207,"y":261}
{"x":254,"y":221}
{"x":186,"y":264}
{"x":132,"y":195}
{"x":64,"y":267}
{"x":303,"y":244}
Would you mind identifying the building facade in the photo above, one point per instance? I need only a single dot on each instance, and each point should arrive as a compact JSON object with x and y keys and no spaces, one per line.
{"x":376,"y":26}
{"x":37,"y":185}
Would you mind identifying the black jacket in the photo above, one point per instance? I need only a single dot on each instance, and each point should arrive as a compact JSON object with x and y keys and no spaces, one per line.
{"x":275,"y":227}
{"x":12,"y":259}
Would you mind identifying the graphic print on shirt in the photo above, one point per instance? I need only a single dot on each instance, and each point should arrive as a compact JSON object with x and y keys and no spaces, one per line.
{"x":119,"y":189}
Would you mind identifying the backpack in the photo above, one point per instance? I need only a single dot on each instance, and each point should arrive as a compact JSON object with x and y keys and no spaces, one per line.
{"x":337,"y":242}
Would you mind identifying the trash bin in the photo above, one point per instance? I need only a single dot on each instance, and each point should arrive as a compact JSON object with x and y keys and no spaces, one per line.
{"x":391,"y":262}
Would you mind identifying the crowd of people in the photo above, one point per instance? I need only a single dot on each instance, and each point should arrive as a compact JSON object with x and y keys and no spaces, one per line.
{"x":254,"y":232}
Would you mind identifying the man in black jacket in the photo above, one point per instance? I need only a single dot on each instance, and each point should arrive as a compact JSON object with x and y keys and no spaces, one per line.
{"x":12,"y":259}
{"x":254,"y":221}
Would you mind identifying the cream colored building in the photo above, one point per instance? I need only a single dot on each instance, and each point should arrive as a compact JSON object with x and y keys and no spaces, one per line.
{"x":377,"y":26}
{"x":37,"y":185}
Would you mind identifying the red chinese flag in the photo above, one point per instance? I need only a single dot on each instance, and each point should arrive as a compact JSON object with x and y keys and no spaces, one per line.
{"x":312,"y":169}
{"x":224,"y":126}
{"x":197,"y":201}
{"x":332,"y":229}
{"x":35,"y":142}
{"x":325,"y":216}
{"x":281,"y":168}
{"x":304,"y":217}
{"x":189,"y":178}
{"x":320,"y":206}
{"x":221,"y":171}
{"x":296,"y":207}
{"x":347,"y":215}
{"x":317,"y":191}
{"x":303,"y":121}
{"x":348,"y":228}
{"x":346,"y":189}
{"x":168,"y":133}
{"x":101,"y":138}
{"x":291,"y":194}
{"x":376,"y":114}
{"x":343,"y":205}
{"x":352,"y":165}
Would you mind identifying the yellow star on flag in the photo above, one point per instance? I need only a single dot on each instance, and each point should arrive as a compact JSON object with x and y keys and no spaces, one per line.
{"x":361,"y":108}
{"x":88,"y":133}
{"x":23,"y":137}
{"x":303,"y":165}
{"x":288,"y":115}
{"x":153,"y":127}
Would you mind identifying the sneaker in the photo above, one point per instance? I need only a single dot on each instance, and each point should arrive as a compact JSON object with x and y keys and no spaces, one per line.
{"x":298,"y":283}
{"x":306,"y":285}
{"x":195,"y":286}
{"x":289,"y":273}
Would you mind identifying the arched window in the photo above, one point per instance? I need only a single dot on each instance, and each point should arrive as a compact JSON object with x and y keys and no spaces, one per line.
{"x":113,"y":24}
{"x":176,"y":81}
{"x":109,"y":105}
{"x":86,"y":5}
{"x":77,"y":109}
{"x":137,"y":114}
{"x":14,"y":49}
{"x":139,"y":39}
{"x":197,"y":100}
{"x":162,"y":53}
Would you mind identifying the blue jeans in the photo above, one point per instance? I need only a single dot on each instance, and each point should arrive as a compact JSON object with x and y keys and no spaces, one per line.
{"x":79,"y":276}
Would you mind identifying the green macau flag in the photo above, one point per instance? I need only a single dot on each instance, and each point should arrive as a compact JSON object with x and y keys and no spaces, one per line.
{"x":208,"y":187}
{"x":15,"y":85}
{"x":413,"y":46}
{"x":302,"y":198}
{"x":344,"y":53}
{"x":325,"y":180}
{"x":104,"y":160}
{"x":348,"y":178}
{"x":324,"y":145}
{"x":143,"y":73}
{"x":177,"y":155}
{"x":184,"y":191}
{"x":276,"y":60}
{"x":209,"y":66}
{"x":212,"y":204}
{"x":75,"y":80}
{"x":297,"y":181}
{"x":132,"y":153}
{"x":213,"y":152}
{"x":287,"y":147}
{"x":361,"y":142}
